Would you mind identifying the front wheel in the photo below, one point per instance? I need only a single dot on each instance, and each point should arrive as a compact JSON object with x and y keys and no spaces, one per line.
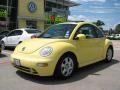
{"x":65,"y":67}
{"x":109,"y":55}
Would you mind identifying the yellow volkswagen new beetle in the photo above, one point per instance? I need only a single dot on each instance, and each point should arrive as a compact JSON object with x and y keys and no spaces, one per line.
{"x":61,"y":49}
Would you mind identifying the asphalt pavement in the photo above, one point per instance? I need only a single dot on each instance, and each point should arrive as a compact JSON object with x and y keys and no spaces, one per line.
{"x":99,"y":76}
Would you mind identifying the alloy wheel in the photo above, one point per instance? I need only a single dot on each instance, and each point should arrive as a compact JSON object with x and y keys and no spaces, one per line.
{"x":67,"y":66}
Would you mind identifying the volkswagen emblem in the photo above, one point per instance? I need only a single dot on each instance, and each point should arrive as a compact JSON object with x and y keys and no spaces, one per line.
{"x":32,"y":7}
{"x":23,"y":49}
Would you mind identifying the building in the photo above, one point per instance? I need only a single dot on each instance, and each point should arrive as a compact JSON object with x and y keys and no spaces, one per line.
{"x":33,"y":13}
{"x":8,"y":14}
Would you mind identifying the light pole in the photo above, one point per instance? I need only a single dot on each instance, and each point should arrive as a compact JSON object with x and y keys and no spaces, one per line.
{"x":7,"y":19}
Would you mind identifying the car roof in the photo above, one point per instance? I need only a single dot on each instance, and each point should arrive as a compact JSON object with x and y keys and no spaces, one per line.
{"x":26,"y":29}
{"x":78,"y":22}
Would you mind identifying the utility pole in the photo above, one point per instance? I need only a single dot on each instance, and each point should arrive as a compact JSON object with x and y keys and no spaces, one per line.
{"x":7,"y":19}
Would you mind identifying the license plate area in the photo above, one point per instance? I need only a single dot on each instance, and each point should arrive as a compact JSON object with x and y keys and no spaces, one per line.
{"x":17,"y":62}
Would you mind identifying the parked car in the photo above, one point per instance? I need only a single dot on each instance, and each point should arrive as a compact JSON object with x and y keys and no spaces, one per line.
{"x":3,"y":34}
{"x":0,"y":48}
{"x":18,"y":35}
{"x":61,"y":49}
{"x":117,"y":36}
{"x":114,"y":37}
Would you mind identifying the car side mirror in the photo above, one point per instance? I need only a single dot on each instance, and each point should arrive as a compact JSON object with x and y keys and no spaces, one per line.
{"x":80,"y":37}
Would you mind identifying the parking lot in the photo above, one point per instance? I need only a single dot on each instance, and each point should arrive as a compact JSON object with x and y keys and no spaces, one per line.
{"x":99,"y":76}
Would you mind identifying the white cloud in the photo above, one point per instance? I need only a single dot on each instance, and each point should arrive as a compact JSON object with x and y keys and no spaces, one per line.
{"x":77,"y":18}
{"x":88,"y":19}
{"x":83,"y":18}
{"x":89,"y":1}
{"x":116,"y":4}
{"x":94,"y":10}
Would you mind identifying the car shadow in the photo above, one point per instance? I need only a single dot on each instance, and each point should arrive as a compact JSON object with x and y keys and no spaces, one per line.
{"x":2,"y":55}
{"x":10,"y":48}
{"x":79,"y":75}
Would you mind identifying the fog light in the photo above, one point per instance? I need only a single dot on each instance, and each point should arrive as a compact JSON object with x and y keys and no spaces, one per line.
{"x":42,"y":64}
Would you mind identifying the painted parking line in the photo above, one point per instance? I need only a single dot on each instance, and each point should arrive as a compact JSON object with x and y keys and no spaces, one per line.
{"x":6,"y":52}
{"x":4,"y":62}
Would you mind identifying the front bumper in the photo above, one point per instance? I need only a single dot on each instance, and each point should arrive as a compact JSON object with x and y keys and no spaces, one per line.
{"x":28,"y":64}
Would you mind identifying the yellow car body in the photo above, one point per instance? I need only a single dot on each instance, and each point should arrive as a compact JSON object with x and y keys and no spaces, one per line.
{"x":27,"y":58}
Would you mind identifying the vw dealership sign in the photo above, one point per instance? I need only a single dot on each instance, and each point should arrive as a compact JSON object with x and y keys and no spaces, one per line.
{"x":32,"y":7}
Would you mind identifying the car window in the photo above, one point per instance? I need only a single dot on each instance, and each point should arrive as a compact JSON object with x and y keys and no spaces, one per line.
{"x":33,"y":31}
{"x":61,"y":31}
{"x":99,"y":32}
{"x":18,"y":32}
{"x":12,"y":33}
{"x":15,"y":33}
{"x":88,"y":30}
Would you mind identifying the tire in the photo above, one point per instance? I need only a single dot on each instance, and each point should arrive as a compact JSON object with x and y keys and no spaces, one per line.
{"x":20,"y":42}
{"x":2,"y":45}
{"x":0,"y":50}
{"x":65,"y":67}
{"x":109,"y":55}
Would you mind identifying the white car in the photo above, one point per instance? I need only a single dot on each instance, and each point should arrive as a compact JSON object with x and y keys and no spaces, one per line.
{"x":117,"y":36}
{"x":18,"y":35}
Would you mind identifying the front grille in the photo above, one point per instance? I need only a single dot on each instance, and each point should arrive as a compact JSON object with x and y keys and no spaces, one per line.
{"x":26,"y":69}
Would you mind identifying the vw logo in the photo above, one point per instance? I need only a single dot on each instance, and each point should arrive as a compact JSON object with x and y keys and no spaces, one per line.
{"x":23,"y":49}
{"x":32,"y":7}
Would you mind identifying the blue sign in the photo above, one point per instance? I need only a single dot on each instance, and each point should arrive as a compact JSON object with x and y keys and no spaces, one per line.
{"x":32,"y":7}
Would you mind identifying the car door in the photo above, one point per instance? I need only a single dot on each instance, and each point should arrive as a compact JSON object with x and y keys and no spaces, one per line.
{"x":100,"y":43}
{"x":88,"y":49}
{"x":9,"y":38}
{"x":16,"y":38}
{"x":13,"y":37}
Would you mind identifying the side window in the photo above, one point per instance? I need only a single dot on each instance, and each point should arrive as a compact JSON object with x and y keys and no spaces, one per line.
{"x":93,"y":32}
{"x":13,"y":33}
{"x":100,"y":33}
{"x":19,"y":32}
{"x":88,"y":30}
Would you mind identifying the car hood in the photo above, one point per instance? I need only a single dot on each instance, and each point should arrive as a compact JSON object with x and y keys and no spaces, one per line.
{"x":31,"y":45}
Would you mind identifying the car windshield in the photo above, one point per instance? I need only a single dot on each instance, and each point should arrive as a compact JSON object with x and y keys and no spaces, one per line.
{"x":33,"y":31}
{"x":62,"y":31}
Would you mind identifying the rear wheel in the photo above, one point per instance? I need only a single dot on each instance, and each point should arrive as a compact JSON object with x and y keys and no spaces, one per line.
{"x":109,"y":55}
{"x":65,"y":67}
{"x":0,"y":50}
{"x":2,"y":45}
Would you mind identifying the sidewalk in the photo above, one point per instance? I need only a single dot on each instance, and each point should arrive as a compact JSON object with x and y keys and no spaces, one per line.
{"x":116,"y":43}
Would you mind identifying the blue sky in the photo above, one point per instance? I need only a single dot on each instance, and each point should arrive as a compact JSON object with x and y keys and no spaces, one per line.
{"x":92,"y":10}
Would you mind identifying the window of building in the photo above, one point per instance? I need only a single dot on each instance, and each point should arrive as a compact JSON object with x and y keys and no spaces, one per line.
{"x":31,"y":24}
{"x":8,"y":13}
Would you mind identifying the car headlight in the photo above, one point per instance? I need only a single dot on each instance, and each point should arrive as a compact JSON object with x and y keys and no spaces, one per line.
{"x":46,"y":51}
